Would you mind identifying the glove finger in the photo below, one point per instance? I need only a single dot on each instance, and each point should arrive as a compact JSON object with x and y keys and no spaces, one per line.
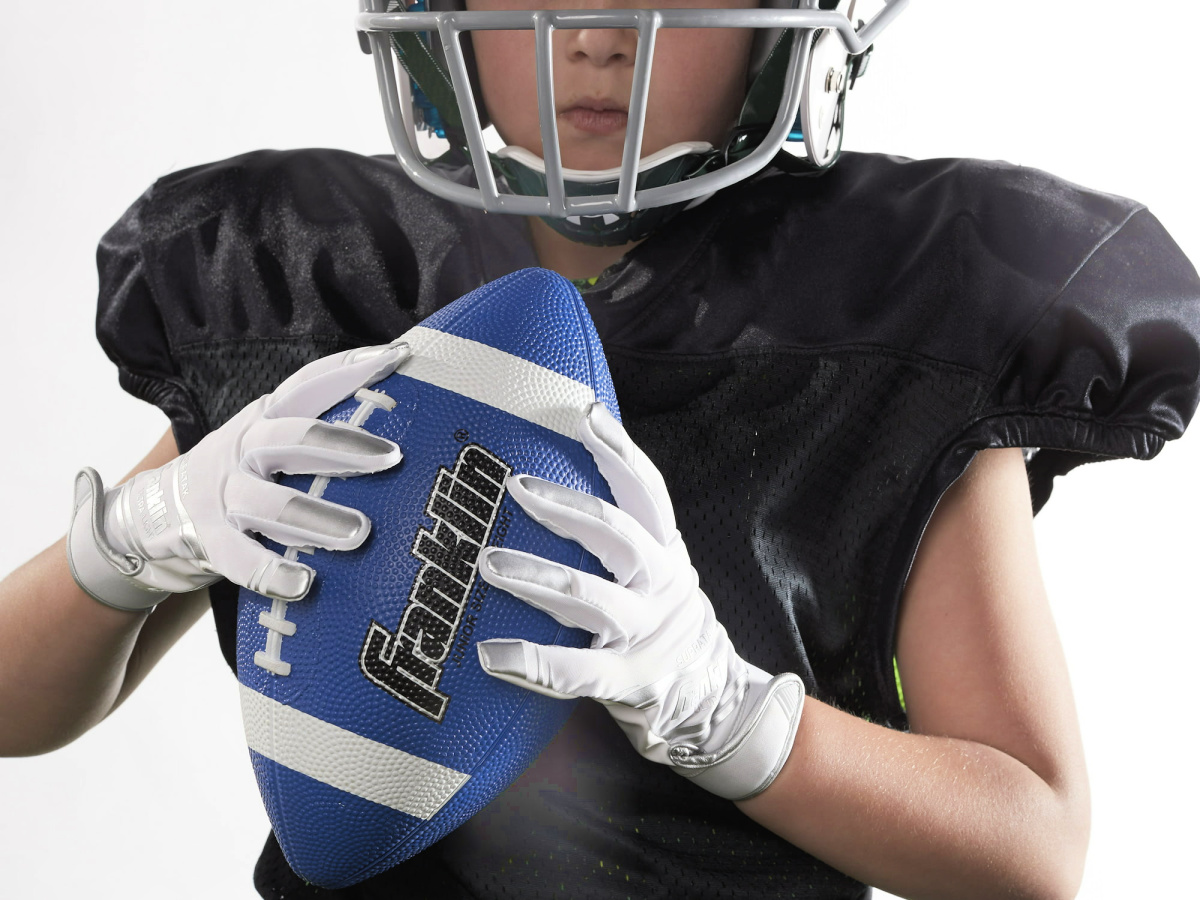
{"x":559,"y":672}
{"x":635,"y":482}
{"x":287,"y":516}
{"x":336,"y":361}
{"x":572,"y":598}
{"x":614,"y":537}
{"x":330,"y":380}
{"x":246,"y":562}
{"x":310,"y":446}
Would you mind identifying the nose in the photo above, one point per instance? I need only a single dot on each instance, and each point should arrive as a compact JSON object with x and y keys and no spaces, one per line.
{"x":601,"y":46}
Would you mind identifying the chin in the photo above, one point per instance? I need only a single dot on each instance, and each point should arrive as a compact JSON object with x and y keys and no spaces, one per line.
{"x":592,"y":153}
{"x":592,"y":164}
{"x":591,"y":161}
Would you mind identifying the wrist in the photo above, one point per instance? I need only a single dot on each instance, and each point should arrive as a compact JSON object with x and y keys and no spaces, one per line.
{"x":758,"y":743}
{"x":104,"y":569}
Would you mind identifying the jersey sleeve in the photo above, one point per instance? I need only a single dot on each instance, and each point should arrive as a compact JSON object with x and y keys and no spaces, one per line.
{"x":130,"y":327}
{"x":1110,"y":368}
{"x":225,"y":278}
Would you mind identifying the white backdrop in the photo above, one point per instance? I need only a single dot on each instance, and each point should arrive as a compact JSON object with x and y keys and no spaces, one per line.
{"x":97,"y":100}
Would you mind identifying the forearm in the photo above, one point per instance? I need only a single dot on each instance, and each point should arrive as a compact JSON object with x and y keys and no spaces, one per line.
{"x":922,"y":816}
{"x":63,"y":656}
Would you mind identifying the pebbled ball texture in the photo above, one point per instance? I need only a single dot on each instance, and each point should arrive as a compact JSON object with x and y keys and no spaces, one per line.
{"x":386,"y":734}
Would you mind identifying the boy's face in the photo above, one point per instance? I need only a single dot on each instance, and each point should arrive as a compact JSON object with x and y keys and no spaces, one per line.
{"x":697,"y":83}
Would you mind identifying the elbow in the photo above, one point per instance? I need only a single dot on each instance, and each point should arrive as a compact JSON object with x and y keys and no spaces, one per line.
{"x":36,"y":724}
{"x":16,"y":746}
{"x":25,"y":739}
{"x":1064,"y":854}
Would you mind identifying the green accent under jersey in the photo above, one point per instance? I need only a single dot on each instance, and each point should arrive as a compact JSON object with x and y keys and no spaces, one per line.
{"x":899,"y":689}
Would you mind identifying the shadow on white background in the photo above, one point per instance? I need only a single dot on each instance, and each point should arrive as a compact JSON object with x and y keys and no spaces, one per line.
{"x":159,"y":801}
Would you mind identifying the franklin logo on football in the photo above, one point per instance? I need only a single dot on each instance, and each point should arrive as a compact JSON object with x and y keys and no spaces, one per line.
{"x":463,"y":504}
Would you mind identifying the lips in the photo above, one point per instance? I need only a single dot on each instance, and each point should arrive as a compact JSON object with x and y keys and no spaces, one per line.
{"x":596,"y":116}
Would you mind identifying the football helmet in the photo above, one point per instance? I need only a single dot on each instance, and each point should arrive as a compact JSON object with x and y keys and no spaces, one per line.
{"x":806,"y":55}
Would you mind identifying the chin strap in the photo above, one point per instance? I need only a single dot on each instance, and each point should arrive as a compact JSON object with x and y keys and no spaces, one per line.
{"x":432,"y":90}
{"x":525,"y":173}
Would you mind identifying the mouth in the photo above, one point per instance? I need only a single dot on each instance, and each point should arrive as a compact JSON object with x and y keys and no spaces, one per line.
{"x":596,"y":115}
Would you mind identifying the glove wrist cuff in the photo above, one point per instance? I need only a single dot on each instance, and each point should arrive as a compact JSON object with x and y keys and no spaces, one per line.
{"x":751,"y":759}
{"x":103,"y":573}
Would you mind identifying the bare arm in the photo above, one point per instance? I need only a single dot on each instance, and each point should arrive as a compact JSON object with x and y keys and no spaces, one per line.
{"x":988,"y":796}
{"x":67,"y":661}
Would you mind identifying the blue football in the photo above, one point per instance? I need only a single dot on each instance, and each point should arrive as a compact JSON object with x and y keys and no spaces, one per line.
{"x":372,"y":728}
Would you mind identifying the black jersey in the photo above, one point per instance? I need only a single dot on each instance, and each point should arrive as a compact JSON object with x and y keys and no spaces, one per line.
{"x":810,"y":361}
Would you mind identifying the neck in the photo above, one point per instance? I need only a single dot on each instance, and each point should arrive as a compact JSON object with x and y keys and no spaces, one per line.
{"x":570,"y":259}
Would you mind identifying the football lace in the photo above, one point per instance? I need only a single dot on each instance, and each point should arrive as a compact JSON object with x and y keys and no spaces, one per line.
{"x":276,"y":621}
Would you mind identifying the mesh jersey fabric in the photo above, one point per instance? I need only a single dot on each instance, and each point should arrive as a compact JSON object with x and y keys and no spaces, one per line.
{"x":810,"y":362}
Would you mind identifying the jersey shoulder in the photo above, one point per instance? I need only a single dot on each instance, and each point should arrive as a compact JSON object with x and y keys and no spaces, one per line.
{"x":261,"y":242}
{"x":246,"y":260}
{"x":1072,"y":311}
{"x":1077,"y":307}
{"x":935,"y":257}
{"x":222,"y":279}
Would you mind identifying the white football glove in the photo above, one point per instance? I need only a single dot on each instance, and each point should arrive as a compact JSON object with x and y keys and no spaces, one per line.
{"x":183,"y":526}
{"x":660,"y":661}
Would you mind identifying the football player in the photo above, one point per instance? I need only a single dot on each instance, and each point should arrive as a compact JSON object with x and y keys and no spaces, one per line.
{"x":820,"y":480}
